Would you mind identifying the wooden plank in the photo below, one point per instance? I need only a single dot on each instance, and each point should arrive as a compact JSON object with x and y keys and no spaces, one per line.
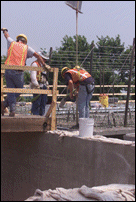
{"x":58,"y":95}
{"x":48,"y":115}
{"x":117,"y":86}
{"x":63,"y":95}
{"x":22,"y":90}
{"x":54,"y":98}
{"x":2,"y":98}
{"x":15,"y":67}
{"x":24,"y":123}
{"x":97,"y":86}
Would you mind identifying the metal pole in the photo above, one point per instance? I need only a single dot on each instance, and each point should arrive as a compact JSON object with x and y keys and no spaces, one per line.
{"x":91,"y":58}
{"x":103,"y":80}
{"x":129,"y":83}
{"x":77,"y":33}
{"x":77,"y":54}
{"x":50,"y":54}
{"x":113,"y":88}
{"x":100,"y":80}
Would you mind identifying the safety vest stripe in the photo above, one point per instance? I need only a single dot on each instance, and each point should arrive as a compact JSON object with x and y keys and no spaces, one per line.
{"x":10,"y":52}
{"x":79,"y":73}
{"x":24,"y":49}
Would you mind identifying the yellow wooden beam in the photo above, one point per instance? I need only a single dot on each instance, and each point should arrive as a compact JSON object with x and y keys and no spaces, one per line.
{"x":15,"y":67}
{"x":96,"y":86}
{"x":54,"y":98}
{"x":22,"y":90}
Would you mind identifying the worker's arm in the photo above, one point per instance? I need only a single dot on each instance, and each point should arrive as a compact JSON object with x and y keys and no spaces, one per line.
{"x":47,"y":67}
{"x":33,"y":74}
{"x":5,"y":32}
{"x":71,"y":88}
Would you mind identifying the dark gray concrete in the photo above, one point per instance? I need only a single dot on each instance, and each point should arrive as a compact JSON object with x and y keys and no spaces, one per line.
{"x":116,"y":132}
{"x":49,"y":160}
{"x":129,"y":136}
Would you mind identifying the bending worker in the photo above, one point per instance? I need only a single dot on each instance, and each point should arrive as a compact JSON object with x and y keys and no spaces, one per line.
{"x":84,"y":83}
{"x":39,"y":80}
{"x":18,"y":52}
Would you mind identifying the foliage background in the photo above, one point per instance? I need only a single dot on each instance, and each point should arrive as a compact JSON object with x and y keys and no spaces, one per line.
{"x":108,"y":62}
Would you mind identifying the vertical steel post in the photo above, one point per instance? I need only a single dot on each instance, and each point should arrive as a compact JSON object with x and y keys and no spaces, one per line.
{"x":50,"y":54}
{"x":100,"y":81}
{"x":103,"y":80}
{"x":77,"y":55}
{"x":77,"y":33}
{"x":129,"y":83}
{"x":91,"y":58}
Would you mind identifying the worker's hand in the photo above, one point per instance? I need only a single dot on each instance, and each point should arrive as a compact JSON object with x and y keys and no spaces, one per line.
{"x":33,"y":86}
{"x":4,"y":29}
{"x":71,"y":95}
{"x":75,"y":92}
{"x":47,"y":67}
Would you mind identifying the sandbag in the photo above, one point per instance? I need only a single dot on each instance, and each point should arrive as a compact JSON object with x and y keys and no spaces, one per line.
{"x":111,"y":192}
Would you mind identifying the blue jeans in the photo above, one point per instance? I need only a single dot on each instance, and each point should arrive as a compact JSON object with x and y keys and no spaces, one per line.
{"x":14,"y":79}
{"x":38,"y":106}
{"x":83,"y":101}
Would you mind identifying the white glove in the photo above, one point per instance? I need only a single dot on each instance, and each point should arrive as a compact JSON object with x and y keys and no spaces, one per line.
{"x":47,"y":67}
{"x":32,"y":86}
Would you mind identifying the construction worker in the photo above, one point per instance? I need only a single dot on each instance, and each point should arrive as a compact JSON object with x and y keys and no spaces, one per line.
{"x":84,"y":83}
{"x":18,"y":52}
{"x":39,"y":80}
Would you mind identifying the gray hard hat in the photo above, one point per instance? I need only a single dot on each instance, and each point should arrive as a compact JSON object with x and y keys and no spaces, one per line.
{"x":44,"y":54}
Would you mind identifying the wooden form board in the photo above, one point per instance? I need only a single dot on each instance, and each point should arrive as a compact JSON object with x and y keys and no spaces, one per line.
{"x":22,"y":90}
{"x":53,"y":92}
{"x":30,"y":68}
{"x":24,"y":123}
{"x":54,"y":98}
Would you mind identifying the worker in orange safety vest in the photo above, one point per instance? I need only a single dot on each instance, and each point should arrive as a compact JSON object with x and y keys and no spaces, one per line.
{"x":18,"y":52}
{"x":80,"y":79}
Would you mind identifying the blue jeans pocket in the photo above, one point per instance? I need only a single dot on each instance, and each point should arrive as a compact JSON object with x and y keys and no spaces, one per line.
{"x":90,"y":88}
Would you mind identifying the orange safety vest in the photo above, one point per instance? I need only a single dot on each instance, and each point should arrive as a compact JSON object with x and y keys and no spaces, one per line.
{"x":38,"y":76}
{"x":17,"y":54}
{"x":78,"y":75}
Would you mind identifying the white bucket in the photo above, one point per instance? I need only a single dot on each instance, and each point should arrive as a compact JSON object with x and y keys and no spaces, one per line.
{"x":86,"y":127}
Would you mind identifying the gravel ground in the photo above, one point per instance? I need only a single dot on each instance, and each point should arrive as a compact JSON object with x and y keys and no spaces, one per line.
{"x":103,"y":118}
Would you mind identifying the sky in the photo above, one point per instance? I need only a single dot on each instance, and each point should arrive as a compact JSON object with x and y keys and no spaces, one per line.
{"x":45,"y":23}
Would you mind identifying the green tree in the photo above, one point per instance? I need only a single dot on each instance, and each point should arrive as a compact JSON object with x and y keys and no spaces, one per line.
{"x":3,"y":59}
{"x":66,"y":54}
{"x":109,"y":59}
{"x":27,"y":77}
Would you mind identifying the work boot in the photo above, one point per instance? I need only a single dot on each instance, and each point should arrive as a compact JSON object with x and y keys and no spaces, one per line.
{"x":2,"y":108}
{"x":12,"y":114}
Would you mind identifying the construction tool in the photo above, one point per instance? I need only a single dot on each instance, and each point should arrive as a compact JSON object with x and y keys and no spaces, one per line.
{"x":48,"y":114}
{"x":35,"y":98}
{"x":66,"y":98}
{"x":63,"y":101}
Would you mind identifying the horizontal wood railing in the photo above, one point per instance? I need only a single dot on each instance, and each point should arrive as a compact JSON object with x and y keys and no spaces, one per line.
{"x":49,"y":92}
{"x":52,"y":92}
{"x":29,"y":92}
